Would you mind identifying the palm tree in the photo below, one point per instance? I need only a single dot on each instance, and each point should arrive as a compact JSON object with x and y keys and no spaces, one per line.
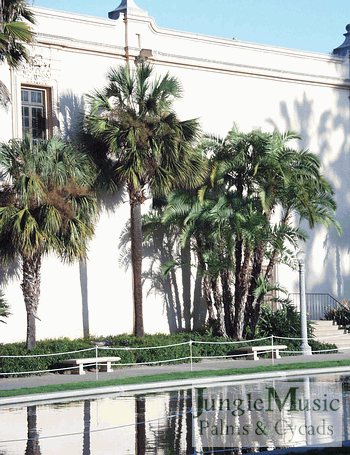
{"x":144,"y":146}
{"x":264,"y":172}
{"x":45,"y":207}
{"x":15,"y":32}
{"x":229,"y":219}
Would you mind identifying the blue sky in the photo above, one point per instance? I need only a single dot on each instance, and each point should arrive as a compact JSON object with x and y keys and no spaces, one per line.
{"x":311,"y":25}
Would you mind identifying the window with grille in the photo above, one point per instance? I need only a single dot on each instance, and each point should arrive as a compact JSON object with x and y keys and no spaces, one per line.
{"x":33,"y":113}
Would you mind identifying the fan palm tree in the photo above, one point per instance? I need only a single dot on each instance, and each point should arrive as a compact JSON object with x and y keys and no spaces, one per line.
{"x":145,"y":146}
{"x":45,"y":207}
{"x":15,"y":32}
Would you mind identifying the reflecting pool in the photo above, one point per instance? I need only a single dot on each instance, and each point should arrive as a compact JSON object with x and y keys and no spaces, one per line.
{"x":259,"y":415}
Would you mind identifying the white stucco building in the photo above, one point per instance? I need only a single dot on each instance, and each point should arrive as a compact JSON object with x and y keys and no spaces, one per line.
{"x":225,"y":81}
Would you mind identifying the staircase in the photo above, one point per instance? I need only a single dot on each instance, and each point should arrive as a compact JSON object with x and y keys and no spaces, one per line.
{"x":327,"y":332}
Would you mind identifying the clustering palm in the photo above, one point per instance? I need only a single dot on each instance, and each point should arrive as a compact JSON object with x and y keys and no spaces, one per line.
{"x":252,"y":176}
{"x":45,"y":207}
{"x":143,"y":145}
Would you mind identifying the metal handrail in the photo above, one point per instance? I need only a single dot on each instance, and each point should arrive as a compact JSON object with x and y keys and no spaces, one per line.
{"x":317,"y":303}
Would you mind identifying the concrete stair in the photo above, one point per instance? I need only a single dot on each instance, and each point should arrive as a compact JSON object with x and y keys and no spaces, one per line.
{"x":327,"y":332}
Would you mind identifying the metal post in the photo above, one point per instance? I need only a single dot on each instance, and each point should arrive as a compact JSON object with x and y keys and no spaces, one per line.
{"x":191,"y":354}
{"x":305,"y":348}
{"x":272,"y":354}
{"x":96,"y":374}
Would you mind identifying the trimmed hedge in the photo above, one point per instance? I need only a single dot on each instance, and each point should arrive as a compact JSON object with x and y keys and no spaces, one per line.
{"x":17,"y":365}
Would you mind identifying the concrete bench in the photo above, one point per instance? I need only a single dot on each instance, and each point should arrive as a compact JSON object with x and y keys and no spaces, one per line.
{"x":252,"y":351}
{"x":104,"y":364}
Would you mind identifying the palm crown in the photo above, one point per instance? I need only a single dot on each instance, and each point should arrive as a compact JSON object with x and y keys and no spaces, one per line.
{"x":15,"y":31}
{"x":45,"y":206}
{"x":137,"y":140}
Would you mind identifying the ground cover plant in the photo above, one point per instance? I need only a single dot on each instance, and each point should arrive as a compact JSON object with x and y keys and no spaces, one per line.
{"x":177,"y":347}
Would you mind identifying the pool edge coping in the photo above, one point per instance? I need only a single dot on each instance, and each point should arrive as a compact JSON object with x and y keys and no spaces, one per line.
{"x":40,"y":398}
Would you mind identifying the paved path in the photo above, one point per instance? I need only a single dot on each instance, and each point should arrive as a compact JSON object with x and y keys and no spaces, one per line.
{"x":138,"y":371}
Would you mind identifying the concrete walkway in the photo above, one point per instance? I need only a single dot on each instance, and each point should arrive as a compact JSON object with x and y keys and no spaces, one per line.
{"x":139,"y":371}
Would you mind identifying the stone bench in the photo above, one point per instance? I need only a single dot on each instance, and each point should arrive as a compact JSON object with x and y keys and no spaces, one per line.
{"x":104,"y":364}
{"x":252,"y":351}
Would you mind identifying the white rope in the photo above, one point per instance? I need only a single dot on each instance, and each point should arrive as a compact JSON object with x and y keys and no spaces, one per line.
{"x":286,"y":338}
{"x":43,"y":371}
{"x":220,"y":356}
{"x":150,"y":363}
{"x":127,"y":348}
{"x":232,"y":342}
{"x":43,"y":355}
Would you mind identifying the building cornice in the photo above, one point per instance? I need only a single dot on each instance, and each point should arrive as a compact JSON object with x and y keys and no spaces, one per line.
{"x":207,"y":39}
{"x":96,"y":48}
{"x":72,"y":17}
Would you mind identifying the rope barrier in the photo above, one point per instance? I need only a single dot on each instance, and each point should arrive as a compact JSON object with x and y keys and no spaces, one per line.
{"x":127,"y":348}
{"x":150,"y":362}
{"x":43,"y":355}
{"x":189,"y":343}
{"x":43,"y":371}
{"x":232,"y":342}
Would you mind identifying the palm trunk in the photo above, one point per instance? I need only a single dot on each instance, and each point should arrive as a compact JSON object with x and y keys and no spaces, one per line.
{"x":136,"y":261}
{"x":31,"y":268}
{"x":225,"y":278}
{"x":87,"y":425}
{"x":219,"y":308}
{"x":253,"y":307}
{"x":206,"y":284}
{"x":241,"y":287}
{"x":33,"y":447}
{"x":186,"y":284}
{"x":140,"y":437}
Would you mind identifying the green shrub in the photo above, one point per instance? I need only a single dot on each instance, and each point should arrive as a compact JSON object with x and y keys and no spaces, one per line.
{"x":212,"y":349}
{"x":286,"y":323}
{"x":340,"y":315}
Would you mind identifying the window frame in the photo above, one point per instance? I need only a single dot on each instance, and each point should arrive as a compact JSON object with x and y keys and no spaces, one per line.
{"x":47,"y":107}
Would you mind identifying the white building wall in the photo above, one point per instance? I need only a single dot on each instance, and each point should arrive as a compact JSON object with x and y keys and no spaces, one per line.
{"x":224,"y":81}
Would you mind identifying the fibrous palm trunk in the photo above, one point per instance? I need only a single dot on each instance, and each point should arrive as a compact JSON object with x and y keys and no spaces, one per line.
{"x":241,"y":288}
{"x":31,"y":278}
{"x":206,"y":283}
{"x":225,"y":277}
{"x":33,"y":447}
{"x":221,"y":328}
{"x":253,"y":306}
{"x":136,"y":262}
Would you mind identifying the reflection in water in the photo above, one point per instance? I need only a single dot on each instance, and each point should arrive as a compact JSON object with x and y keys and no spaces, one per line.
{"x":140,"y":428}
{"x":33,"y":447}
{"x":158,"y":423}
{"x":87,"y":423}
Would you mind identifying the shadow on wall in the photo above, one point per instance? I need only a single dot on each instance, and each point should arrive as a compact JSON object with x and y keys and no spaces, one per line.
{"x":181,"y":293}
{"x":9,"y":273}
{"x":332,"y":130}
{"x":71,"y":108}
